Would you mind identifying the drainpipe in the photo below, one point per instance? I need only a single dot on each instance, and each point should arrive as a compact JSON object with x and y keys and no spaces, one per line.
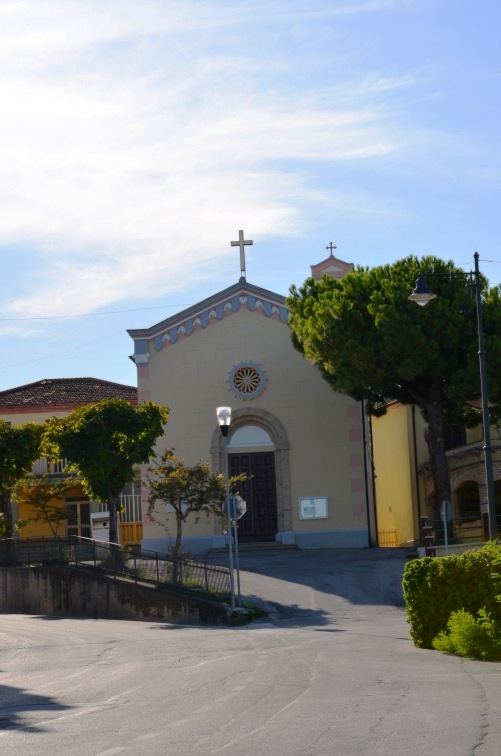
{"x":370,"y":492}
{"x":416,"y":471}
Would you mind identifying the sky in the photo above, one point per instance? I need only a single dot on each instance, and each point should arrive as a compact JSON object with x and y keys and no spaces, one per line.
{"x":137,"y":137}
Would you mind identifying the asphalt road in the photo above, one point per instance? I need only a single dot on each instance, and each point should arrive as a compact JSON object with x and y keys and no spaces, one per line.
{"x":331,"y":670}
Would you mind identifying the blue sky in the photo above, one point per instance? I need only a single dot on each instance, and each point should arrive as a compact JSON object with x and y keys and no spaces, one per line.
{"x":138,"y":136}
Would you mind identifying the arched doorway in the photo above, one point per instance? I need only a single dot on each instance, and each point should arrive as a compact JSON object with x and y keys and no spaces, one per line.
{"x":251,"y":451}
{"x":245,"y":438}
{"x":468,"y":501}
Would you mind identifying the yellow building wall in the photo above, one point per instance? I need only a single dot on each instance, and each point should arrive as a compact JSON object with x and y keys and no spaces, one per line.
{"x":394,"y":473}
{"x":37,"y":529}
{"x":130,"y":532}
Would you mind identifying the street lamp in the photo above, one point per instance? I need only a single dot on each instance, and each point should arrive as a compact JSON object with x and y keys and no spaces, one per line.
{"x":224,"y":419}
{"x":422,"y":295}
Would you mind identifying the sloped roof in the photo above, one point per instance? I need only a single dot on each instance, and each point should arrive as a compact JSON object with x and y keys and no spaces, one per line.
{"x":205,"y":306}
{"x":60,"y":391}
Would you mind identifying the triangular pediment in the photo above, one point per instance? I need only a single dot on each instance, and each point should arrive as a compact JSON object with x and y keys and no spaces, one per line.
{"x":206,"y":313}
{"x":330,"y":267}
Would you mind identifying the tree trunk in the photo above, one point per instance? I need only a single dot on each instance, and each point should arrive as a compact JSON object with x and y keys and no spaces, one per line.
{"x":112,"y":508}
{"x":438,"y":457}
{"x":6,"y":504}
{"x":176,"y":551}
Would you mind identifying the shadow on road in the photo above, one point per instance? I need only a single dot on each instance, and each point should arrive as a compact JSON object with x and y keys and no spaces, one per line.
{"x":15,"y":703}
{"x":360,"y":576}
{"x":293,"y":614}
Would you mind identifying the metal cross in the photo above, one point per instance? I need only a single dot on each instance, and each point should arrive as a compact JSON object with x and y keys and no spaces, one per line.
{"x":241,"y":243}
{"x":331,"y":247}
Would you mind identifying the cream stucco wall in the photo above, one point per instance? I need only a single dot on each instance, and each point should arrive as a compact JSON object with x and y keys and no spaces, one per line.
{"x":32,"y":416}
{"x":324,"y":429}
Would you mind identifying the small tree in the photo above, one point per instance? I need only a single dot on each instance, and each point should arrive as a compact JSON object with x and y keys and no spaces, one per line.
{"x":103,"y":442}
{"x":19,"y":448}
{"x":45,"y":496}
{"x":188,"y":490}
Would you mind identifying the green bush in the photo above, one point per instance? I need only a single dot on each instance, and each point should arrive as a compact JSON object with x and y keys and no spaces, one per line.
{"x":472,"y":637}
{"x":435,"y":588}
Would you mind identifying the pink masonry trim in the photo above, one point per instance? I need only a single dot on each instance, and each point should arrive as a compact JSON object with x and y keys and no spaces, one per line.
{"x":353,"y":410}
{"x":355,"y":435}
{"x":358,"y":510}
{"x":357,"y":485}
{"x":356,"y":460}
{"x":143,"y":396}
{"x":143,"y":372}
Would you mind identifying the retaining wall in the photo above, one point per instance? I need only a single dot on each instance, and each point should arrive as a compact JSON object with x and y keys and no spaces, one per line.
{"x":68,"y":592}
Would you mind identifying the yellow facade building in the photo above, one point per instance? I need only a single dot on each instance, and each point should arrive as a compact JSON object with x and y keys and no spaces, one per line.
{"x":403,"y":481}
{"x":57,"y":397}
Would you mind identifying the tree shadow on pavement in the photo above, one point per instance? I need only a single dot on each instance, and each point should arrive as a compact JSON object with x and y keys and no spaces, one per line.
{"x":361,"y":576}
{"x":15,"y":703}
{"x":291,"y":614}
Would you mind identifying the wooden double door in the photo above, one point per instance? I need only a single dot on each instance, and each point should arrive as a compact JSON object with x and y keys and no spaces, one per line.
{"x":260,"y":522}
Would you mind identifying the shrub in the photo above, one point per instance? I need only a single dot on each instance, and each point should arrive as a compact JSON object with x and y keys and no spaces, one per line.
{"x":435,"y":588}
{"x":472,"y":637}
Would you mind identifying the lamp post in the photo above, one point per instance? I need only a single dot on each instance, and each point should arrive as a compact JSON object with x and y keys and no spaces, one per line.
{"x":224,"y":420}
{"x":422,"y":295}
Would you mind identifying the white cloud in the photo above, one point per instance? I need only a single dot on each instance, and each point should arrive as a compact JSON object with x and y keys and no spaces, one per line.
{"x":128,"y":146}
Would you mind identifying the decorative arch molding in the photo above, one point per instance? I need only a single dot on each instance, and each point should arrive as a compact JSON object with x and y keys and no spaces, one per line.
{"x":474,"y":473}
{"x":268,"y":422}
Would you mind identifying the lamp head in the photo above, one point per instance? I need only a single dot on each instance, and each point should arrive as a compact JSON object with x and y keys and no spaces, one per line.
{"x":421,"y":294}
{"x":224,"y":419}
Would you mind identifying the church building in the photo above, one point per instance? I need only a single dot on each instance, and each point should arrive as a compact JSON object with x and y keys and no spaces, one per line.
{"x":302,"y":445}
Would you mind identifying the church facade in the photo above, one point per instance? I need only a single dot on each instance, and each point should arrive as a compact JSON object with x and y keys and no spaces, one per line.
{"x":301,"y":445}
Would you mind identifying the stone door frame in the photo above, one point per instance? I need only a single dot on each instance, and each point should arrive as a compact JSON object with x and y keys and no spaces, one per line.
{"x":276,"y":431}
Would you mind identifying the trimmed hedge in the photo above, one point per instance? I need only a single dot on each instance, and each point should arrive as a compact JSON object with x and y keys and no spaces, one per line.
{"x":435,"y":588}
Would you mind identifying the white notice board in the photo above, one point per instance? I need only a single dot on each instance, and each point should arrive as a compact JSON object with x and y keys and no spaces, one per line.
{"x":313,"y":508}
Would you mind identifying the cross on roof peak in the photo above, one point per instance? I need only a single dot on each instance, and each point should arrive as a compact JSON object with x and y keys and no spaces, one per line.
{"x":242,"y":243}
{"x":331,"y":247}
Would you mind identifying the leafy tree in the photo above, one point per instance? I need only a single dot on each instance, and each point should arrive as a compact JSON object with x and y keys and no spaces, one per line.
{"x":19,"y":448}
{"x":103,"y":442}
{"x":372,"y":343}
{"x":8,"y":528}
{"x":45,"y":494}
{"x":187,"y":490}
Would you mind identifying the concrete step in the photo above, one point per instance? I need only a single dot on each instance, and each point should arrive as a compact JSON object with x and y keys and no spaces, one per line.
{"x":253,"y":548}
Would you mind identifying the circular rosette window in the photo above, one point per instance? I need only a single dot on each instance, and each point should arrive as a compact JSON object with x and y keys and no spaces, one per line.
{"x":247,"y":380}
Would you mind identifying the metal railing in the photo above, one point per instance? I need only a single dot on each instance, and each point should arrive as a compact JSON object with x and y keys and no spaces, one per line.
{"x":462,"y":530}
{"x":130,"y":562}
{"x":132,"y":508}
{"x":44,"y":466}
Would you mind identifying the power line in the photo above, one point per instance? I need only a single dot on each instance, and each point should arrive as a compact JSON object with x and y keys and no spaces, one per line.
{"x":92,"y":314}
{"x":59,"y":354}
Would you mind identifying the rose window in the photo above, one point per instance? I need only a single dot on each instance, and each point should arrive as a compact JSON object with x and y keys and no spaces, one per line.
{"x":246,"y":380}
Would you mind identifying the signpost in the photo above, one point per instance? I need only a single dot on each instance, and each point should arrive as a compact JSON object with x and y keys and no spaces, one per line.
{"x":239,"y":509}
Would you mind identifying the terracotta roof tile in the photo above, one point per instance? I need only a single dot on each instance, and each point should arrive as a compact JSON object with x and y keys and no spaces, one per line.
{"x":65,"y":391}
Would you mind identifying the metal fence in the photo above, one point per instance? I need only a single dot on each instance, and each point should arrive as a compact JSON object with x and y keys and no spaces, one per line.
{"x":146,"y":567}
{"x":465,"y":530}
{"x":132,"y":508}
